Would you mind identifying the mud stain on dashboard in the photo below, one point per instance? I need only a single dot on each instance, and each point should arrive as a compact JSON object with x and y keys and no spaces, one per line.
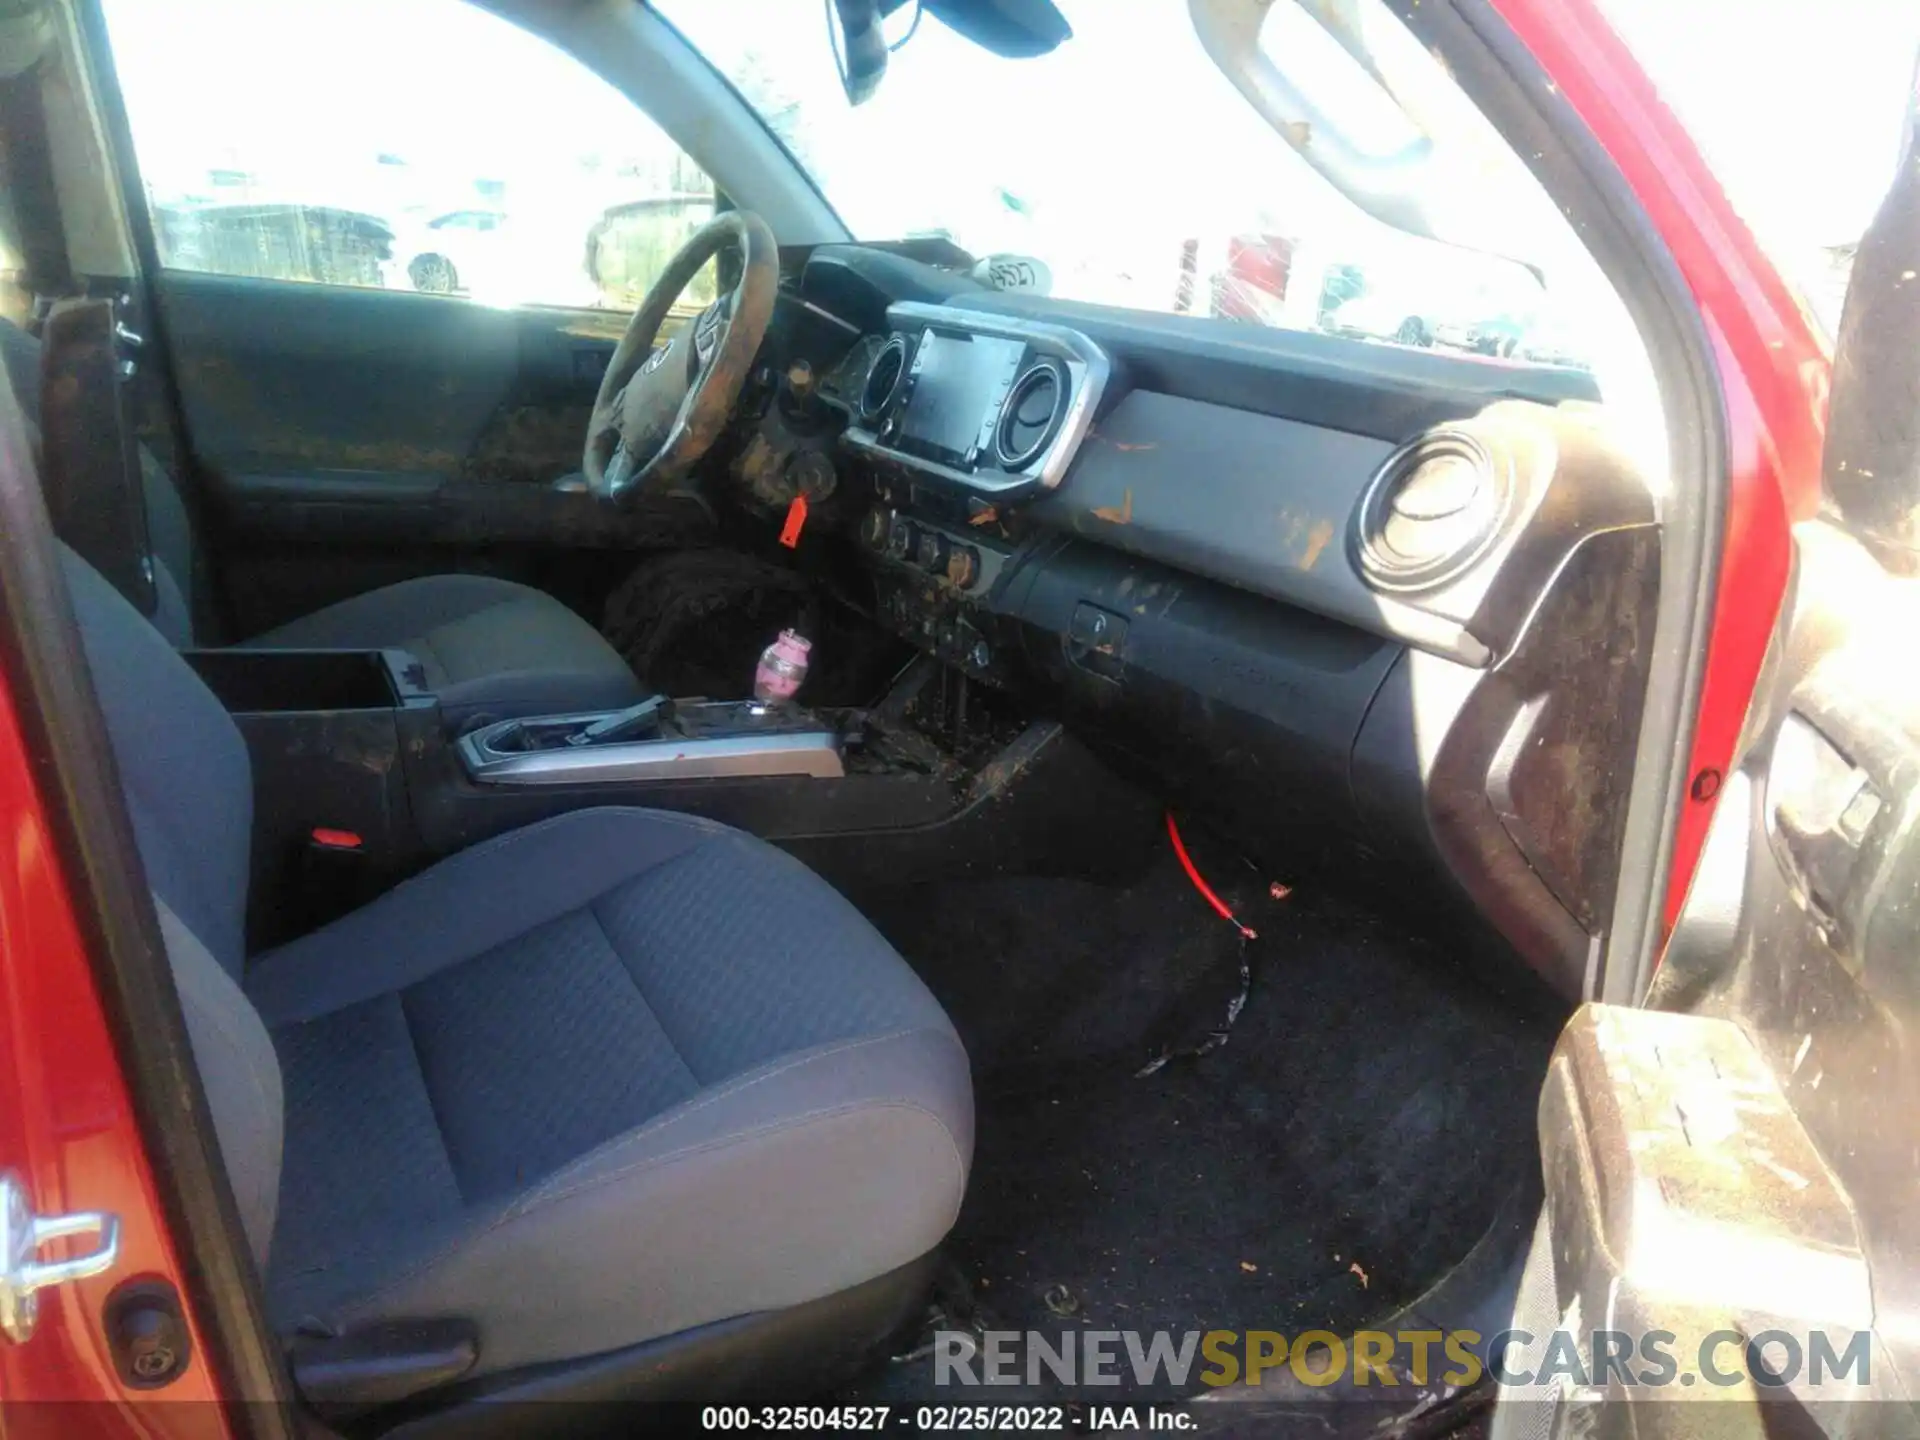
{"x":1317,"y":539}
{"x":1121,"y":514}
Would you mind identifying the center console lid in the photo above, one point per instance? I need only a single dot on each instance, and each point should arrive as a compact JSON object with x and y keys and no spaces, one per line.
{"x":281,"y":681}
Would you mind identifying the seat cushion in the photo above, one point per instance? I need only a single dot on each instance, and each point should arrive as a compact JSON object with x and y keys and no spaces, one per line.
{"x":607,"y":1078}
{"x":489,"y":646}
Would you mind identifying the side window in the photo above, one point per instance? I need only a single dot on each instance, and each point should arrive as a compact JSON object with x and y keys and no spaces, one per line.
{"x":420,"y":145}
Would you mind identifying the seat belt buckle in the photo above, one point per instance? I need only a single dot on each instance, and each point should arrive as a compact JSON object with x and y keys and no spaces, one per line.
{"x":331,"y":875}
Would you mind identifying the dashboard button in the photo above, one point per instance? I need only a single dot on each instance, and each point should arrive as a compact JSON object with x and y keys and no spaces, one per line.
{"x":875,"y":528}
{"x":900,"y":538}
{"x":931,"y":551}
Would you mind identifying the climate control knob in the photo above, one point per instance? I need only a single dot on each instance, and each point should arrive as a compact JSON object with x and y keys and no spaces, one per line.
{"x":963,"y":566}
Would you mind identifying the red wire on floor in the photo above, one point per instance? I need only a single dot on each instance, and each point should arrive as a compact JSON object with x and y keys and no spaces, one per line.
{"x":1199,"y":882}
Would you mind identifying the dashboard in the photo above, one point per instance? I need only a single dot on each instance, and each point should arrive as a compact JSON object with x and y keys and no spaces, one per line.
{"x":1355,"y":604}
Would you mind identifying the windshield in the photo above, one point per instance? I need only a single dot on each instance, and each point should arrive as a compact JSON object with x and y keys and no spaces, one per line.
{"x":1124,"y":161}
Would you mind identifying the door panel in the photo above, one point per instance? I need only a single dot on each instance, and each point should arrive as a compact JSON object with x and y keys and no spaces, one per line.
{"x":282,"y":379}
{"x":1747,"y":1161}
{"x":350,"y":438}
{"x":1740,"y":1157}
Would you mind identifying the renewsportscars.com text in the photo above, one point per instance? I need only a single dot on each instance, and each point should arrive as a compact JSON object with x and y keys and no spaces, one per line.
{"x":1376,"y":1359}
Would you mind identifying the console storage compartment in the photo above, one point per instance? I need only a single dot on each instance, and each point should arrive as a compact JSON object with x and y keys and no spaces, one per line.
{"x":252,"y":681}
{"x":332,"y":735}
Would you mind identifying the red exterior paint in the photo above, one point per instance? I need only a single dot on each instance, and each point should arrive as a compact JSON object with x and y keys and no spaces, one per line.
{"x":67,"y":1126}
{"x":1774,"y":368}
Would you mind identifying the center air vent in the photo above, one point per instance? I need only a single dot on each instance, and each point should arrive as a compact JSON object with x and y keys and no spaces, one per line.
{"x":1032,"y":414}
{"x":884,"y":375}
{"x":1430,"y":512}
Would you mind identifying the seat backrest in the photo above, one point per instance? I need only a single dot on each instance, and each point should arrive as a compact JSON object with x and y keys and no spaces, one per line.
{"x":176,"y":568}
{"x":183,"y":765}
{"x":189,"y":791}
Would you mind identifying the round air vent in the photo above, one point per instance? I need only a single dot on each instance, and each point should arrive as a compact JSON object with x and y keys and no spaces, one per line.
{"x":1031,"y":415}
{"x":884,"y":375}
{"x":1430,"y":512}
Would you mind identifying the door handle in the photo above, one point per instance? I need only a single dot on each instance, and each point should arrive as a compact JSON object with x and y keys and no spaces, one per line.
{"x":1097,"y":641}
{"x":1824,"y":811}
{"x":25,"y":1275}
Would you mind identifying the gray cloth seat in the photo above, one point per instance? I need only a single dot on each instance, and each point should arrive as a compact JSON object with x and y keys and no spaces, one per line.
{"x":489,"y":646}
{"x":594,"y":1082}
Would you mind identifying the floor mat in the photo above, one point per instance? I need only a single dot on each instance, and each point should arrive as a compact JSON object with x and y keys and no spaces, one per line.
{"x":1349,"y":1143}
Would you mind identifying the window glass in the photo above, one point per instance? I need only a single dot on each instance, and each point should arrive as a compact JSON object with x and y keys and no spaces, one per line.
{"x":1131,"y":167}
{"x":1800,"y":115}
{"x":406,"y":144}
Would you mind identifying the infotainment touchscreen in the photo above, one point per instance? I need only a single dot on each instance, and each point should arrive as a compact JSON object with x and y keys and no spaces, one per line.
{"x":959,"y":382}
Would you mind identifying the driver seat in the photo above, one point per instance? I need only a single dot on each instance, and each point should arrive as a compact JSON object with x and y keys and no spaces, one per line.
{"x":489,"y":646}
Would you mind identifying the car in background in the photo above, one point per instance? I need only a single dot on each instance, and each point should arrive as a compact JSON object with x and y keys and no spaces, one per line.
{"x":1378,"y":315}
{"x":528,"y":256}
{"x":449,"y":252}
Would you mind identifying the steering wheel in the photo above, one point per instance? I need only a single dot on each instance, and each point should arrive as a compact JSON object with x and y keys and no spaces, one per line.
{"x":660,"y":410}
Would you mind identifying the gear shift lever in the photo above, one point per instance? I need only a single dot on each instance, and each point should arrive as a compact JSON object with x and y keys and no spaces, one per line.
{"x":623,"y":724}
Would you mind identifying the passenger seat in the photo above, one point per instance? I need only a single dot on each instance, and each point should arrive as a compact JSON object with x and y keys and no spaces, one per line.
{"x":590,"y":1088}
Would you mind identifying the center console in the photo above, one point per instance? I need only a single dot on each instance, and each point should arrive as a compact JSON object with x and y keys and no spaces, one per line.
{"x":332,"y":736}
{"x":359,"y":781}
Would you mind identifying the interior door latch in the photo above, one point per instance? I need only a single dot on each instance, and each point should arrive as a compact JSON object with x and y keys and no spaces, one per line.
{"x":22,"y":1236}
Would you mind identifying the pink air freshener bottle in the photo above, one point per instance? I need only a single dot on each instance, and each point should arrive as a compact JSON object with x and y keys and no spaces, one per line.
{"x":783,"y":665}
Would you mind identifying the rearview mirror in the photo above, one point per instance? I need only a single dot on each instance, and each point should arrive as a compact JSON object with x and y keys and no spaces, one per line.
{"x":1012,"y":29}
{"x":859,"y":47}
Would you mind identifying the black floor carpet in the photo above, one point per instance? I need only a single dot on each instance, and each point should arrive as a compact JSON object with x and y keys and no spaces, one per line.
{"x":1346,"y":1146}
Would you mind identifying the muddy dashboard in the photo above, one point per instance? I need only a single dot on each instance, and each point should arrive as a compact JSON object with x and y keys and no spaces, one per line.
{"x":1354,"y":603}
